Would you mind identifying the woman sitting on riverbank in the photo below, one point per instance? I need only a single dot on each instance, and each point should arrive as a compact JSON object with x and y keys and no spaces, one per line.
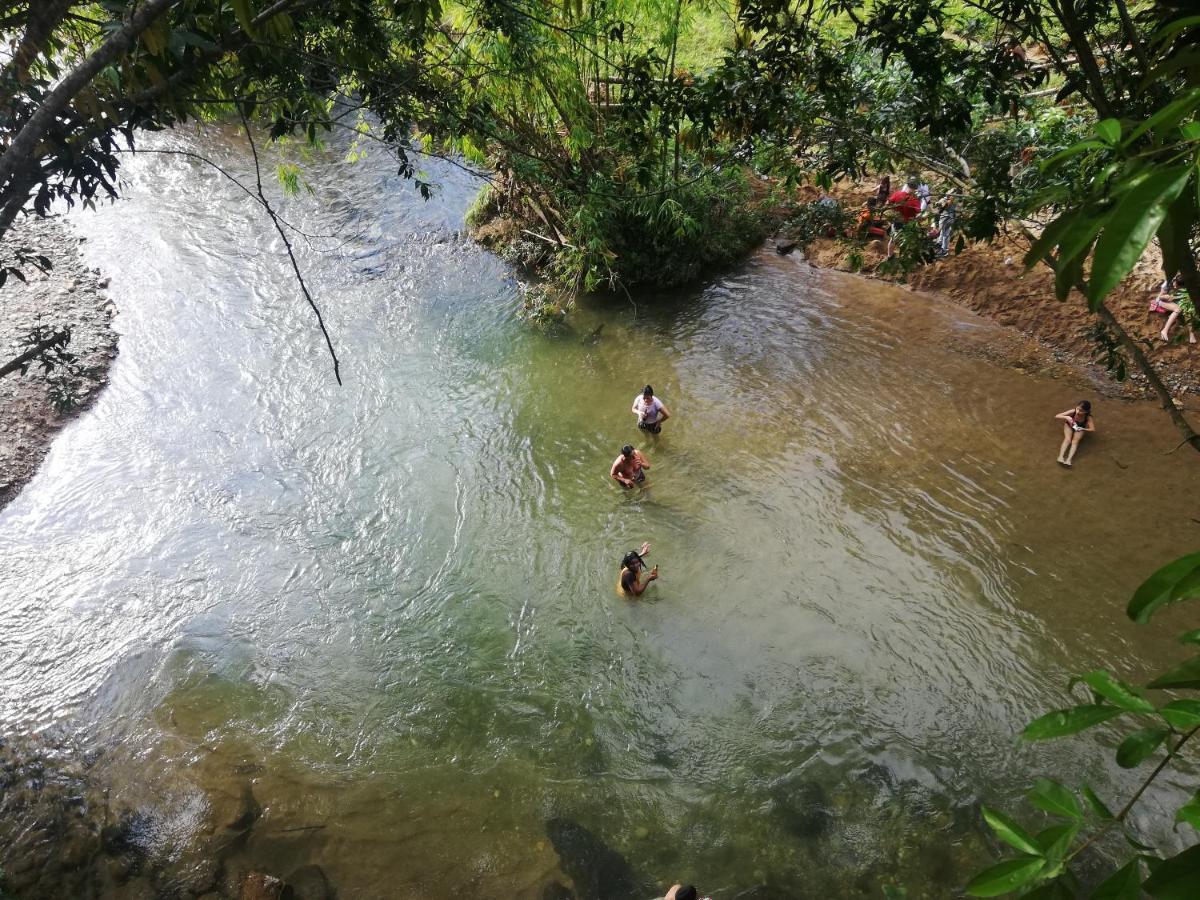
{"x":1173,"y":298}
{"x":1076,"y":423}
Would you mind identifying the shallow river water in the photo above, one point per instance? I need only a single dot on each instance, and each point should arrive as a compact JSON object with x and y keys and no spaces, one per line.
{"x":390,"y":606}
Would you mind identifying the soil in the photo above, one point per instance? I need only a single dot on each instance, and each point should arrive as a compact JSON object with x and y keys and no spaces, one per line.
{"x":990,"y":279}
{"x":35,"y":406}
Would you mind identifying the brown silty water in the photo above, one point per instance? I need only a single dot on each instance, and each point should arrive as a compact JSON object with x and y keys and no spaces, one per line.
{"x":381,"y":618}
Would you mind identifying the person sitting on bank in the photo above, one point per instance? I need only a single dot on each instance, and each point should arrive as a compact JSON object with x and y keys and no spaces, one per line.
{"x":1076,"y":423}
{"x":1172,"y":299}
{"x":630,"y":467}
{"x":632,"y":565}
{"x":650,"y":411}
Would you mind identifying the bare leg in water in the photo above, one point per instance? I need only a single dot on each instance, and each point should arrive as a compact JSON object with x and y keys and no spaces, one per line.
{"x":1068,"y":434}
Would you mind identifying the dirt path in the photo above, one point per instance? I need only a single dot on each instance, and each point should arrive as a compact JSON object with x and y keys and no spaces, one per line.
{"x":35,"y":406}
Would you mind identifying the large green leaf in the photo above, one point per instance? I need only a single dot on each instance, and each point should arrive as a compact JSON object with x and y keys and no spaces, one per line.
{"x":1190,"y":812}
{"x":1123,"y":884}
{"x":1055,"y":841}
{"x":1099,"y":807}
{"x":1005,"y":877}
{"x":1009,"y":831}
{"x":1069,"y":721}
{"x":1129,"y":229}
{"x":241,"y":9}
{"x":1109,"y":131}
{"x":1177,"y":878}
{"x":1181,"y":715}
{"x":1055,"y":799}
{"x":1177,"y":580}
{"x":1074,"y":150}
{"x":1167,"y":117}
{"x":1139,"y":745}
{"x":1117,"y":692}
{"x":1049,"y":238}
{"x":1185,"y":675}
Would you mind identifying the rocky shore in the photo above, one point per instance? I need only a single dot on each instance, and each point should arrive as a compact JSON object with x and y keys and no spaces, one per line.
{"x":35,"y":406}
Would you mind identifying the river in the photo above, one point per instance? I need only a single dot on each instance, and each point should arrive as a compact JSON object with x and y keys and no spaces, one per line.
{"x":390,"y":606}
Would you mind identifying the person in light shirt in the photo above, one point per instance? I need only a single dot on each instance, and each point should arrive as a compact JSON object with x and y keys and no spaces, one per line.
{"x":650,"y":411}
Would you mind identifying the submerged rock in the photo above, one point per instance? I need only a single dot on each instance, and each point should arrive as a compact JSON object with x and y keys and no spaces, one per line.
{"x":598,"y":871}
{"x":802,"y":808}
{"x":309,"y":883}
{"x":258,"y":886}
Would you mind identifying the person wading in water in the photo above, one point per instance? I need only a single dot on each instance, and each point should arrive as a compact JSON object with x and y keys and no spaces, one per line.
{"x":629,"y":468}
{"x":650,"y":411}
{"x":630,"y":583}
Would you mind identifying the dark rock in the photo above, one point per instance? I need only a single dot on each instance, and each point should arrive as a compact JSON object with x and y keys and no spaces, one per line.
{"x":556,"y":890}
{"x":247,"y":812}
{"x":309,"y":883}
{"x":258,"y":886}
{"x":598,"y":871}
{"x":802,"y":807}
{"x":783,"y":248}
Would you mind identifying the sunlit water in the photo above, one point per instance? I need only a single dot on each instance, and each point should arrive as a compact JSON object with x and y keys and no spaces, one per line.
{"x":391,"y":605}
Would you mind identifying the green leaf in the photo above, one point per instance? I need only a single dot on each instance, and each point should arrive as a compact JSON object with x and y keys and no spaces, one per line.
{"x":1005,"y":877}
{"x":1139,"y":745}
{"x":1069,"y":721}
{"x":1132,"y":224}
{"x":1055,"y":841}
{"x":1067,"y":275}
{"x":1177,"y":580}
{"x":1098,"y":806}
{"x":1177,"y":878}
{"x":1074,"y":150}
{"x":1173,"y":28}
{"x":1109,"y":131}
{"x":1190,"y":812}
{"x":1123,"y":884}
{"x":1190,"y":637}
{"x":1049,"y":239}
{"x":1184,"y":675}
{"x":1010,"y":832}
{"x":1117,"y":692}
{"x":1167,"y":117}
{"x":1190,"y":131}
{"x":241,"y":9}
{"x":1055,"y":799}
{"x":1182,"y":715}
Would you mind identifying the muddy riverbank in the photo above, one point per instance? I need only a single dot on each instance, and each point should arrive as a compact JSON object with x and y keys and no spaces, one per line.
{"x":36,"y":405}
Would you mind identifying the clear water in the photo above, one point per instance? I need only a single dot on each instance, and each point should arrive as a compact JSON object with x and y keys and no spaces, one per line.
{"x":390,"y":606}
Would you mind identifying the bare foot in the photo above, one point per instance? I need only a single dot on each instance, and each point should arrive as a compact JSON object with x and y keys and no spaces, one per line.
{"x":1191,"y":339}
{"x":1163,"y":334}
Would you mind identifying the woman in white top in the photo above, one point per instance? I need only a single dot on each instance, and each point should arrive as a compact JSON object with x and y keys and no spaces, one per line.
{"x":650,"y":411}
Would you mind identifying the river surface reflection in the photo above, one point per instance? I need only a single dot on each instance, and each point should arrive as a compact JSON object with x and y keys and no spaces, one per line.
{"x":390,"y":606}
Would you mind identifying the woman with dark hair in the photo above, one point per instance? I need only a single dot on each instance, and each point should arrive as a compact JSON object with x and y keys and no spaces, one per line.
{"x":884,"y":190}
{"x":1076,"y":423}
{"x":630,"y":582}
{"x":650,"y":411}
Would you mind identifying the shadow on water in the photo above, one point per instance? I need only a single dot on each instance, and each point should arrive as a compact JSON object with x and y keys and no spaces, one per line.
{"x":597,"y":871}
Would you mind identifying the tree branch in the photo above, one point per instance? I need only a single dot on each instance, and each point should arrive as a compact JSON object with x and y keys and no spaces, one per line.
{"x":288,"y":245}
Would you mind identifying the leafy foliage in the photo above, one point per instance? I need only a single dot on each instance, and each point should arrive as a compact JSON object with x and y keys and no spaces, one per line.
{"x":1043,"y":861}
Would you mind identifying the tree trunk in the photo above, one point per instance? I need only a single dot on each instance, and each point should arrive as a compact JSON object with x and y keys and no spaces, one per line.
{"x":120,"y":41}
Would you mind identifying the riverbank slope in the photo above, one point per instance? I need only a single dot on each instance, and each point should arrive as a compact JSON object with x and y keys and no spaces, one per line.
{"x":36,"y":405}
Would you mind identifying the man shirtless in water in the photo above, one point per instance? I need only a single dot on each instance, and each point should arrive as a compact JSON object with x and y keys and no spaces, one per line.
{"x":630,"y":467}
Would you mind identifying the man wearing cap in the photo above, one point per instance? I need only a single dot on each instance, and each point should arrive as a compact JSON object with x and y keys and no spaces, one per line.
{"x":650,"y":411}
{"x":629,"y":468}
